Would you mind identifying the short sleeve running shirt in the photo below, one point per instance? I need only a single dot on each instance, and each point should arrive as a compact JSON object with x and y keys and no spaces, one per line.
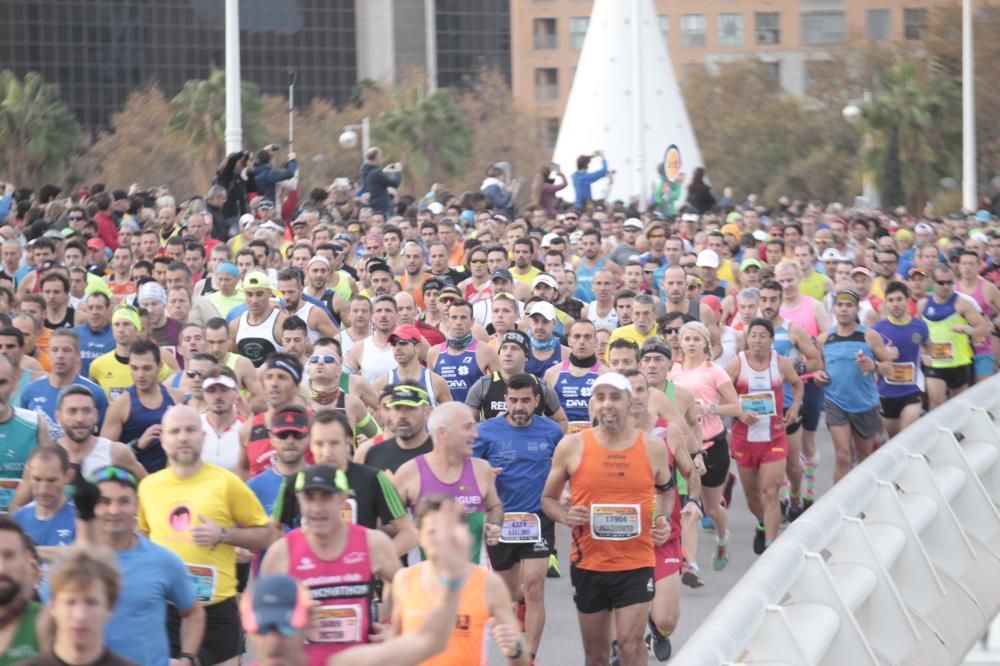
{"x":704,"y":382}
{"x":170,"y":506}
{"x":523,"y":454}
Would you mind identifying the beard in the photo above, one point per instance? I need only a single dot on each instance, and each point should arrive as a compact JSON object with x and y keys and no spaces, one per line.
{"x":9,"y":589}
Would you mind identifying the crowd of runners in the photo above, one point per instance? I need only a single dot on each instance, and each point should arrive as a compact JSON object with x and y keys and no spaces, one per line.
{"x":342,"y":428}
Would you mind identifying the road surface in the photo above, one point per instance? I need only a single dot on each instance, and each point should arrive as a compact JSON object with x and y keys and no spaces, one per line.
{"x":561,"y":641}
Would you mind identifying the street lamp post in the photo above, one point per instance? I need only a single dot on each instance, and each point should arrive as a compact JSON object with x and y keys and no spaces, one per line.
{"x":349,"y":137}
{"x":852,"y":114}
{"x":968,"y":112}
{"x":234,"y":111}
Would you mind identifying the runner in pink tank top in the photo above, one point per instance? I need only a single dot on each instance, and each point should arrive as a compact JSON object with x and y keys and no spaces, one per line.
{"x":342,"y":588}
{"x":803,"y":314}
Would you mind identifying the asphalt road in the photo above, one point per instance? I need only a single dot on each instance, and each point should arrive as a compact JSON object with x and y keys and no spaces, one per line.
{"x":561,"y":641}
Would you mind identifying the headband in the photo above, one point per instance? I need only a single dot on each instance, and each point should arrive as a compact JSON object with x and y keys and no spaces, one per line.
{"x":129,"y":314}
{"x":151,"y":291}
{"x":282,"y":364}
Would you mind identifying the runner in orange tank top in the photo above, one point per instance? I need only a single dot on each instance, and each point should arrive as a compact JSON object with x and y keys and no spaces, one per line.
{"x":416,"y":589}
{"x":618,"y":476}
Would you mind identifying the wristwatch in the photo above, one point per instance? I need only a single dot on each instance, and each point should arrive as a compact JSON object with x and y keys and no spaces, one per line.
{"x":193,"y":658}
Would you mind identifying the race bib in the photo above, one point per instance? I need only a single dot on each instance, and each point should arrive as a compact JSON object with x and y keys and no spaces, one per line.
{"x":760,"y":403}
{"x":8,"y":487}
{"x":519,"y":527}
{"x":349,"y":512}
{"x":901,"y":374}
{"x":615,"y":522}
{"x":942,"y":351}
{"x":336,"y":624}
{"x":577,"y":426}
{"x":203,"y":576}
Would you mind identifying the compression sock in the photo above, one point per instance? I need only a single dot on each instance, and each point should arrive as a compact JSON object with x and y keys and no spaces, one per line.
{"x":809,"y":476}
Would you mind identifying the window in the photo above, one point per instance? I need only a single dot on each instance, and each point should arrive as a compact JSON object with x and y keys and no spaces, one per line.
{"x":730,"y":29}
{"x":878,"y":25}
{"x":914,"y":23}
{"x":664,"y":23}
{"x":693,"y":30}
{"x":822,"y":28}
{"x":549,"y":132}
{"x":767,"y":28}
{"x":546,"y":84}
{"x":577,"y":31}
{"x":545,"y":34}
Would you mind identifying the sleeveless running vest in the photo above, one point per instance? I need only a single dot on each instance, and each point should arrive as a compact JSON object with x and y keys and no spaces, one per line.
{"x":574,"y":392}
{"x":342,"y":590}
{"x":949,"y":349}
{"x":260,"y":453}
{"x":813,"y":286}
{"x":305,"y":309}
{"x":24,"y":642}
{"x":761,"y":392}
{"x":222,"y":450}
{"x":140,"y":418}
{"x":609,"y":320}
{"x":783,"y":345}
{"x":467,"y":644}
{"x":985,"y":346}
{"x":802,"y":314}
{"x":849,"y":388}
{"x":99,"y":456}
{"x":376,"y":362}
{"x":460,"y":370}
{"x":618,"y":488}
{"x":424,"y":380}
{"x":585,"y":278}
{"x":495,"y":399}
{"x":465,"y":491}
{"x":256,"y":341}
{"x":22,"y":383}
{"x":535,"y":367}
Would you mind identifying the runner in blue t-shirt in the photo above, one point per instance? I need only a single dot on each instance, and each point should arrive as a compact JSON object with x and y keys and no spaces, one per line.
{"x":50,"y":520}
{"x":96,"y":338}
{"x":521,"y":444}
{"x":901,"y":382}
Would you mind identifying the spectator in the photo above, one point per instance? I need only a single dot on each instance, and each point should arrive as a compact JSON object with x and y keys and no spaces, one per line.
{"x":107,"y":230}
{"x":498,"y":192}
{"x":547,"y":186}
{"x":583,"y":179}
{"x":700,"y":193}
{"x":376,"y":180}
{"x":239,"y":183}
{"x":267,"y":177}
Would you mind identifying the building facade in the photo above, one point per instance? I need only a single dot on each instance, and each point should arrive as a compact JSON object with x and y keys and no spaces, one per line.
{"x":791,"y":38}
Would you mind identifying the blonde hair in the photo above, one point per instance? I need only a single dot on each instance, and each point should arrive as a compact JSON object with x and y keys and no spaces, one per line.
{"x":701,"y":330}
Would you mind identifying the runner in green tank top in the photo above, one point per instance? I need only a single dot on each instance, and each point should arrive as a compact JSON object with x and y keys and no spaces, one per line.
{"x":20,"y":432}
{"x":24,"y":641}
{"x":26,"y":630}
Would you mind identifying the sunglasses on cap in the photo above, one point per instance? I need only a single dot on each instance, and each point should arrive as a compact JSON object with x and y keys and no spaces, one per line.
{"x":114,"y":473}
{"x":325,"y":358}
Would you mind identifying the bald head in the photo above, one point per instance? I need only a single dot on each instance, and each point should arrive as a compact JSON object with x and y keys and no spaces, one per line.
{"x":182,"y":436}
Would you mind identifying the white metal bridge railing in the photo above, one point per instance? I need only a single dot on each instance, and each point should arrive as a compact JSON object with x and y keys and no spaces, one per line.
{"x":898,"y":564}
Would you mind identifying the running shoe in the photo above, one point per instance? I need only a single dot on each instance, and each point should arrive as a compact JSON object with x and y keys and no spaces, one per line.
{"x":758,"y":539}
{"x":707,"y":523}
{"x":614,"y":660}
{"x":553,"y":571}
{"x":658,"y":644}
{"x":690,"y":576}
{"x":520,"y":611}
{"x":721,"y":556}
{"x":795,"y":510}
{"x":785,"y":506}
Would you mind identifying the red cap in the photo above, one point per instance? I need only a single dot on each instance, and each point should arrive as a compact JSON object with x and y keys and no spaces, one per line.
{"x":95,"y":244}
{"x":712,"y":302}
{"x":405,"y":333}
{"x":862,"y":271}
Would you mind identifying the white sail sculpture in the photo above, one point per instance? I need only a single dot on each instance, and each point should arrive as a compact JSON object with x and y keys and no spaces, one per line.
{"x":626,"y":102}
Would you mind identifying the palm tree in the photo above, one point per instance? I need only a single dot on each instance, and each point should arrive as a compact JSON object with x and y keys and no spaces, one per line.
{"x":199,"y":110}
{"x":913,"y":122}
{"x":428,"y":133}
{"x":38,"y":132}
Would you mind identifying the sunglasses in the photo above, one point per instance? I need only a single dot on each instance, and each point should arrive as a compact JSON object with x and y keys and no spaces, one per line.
{"x":945,"y":283}
{"x":657,"y":236}
{"x":672,"y":330}
{"x":194,"y":373}
{"x":325,"y":358}
{"x":74,"y":218}
{"x":447,"y":299}
{"x":477,"y":262}
{"x":399,"y":342}
{"x":648,"y":272}
{"x":289,"y":434}
{"x":114,"y":473}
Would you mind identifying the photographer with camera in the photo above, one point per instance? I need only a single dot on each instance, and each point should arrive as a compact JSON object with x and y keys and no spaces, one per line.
{"x":376,"y":180}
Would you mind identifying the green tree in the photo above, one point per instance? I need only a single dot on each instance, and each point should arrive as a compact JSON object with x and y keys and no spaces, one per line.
{"x":38,"y":132}
{"x":199,"y":111}
{"x":428,"y":133}
{"x":912,"y":121}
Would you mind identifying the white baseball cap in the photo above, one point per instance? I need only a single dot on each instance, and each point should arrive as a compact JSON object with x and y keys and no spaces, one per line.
{"x":708,"y":259}
{"x":831,"y":254}
{"x":547,"y":239}
{"x":615,"y":380}
{"x":435,"y":207}
{"x":544,"y":309}
{"x":633,"y":223}
{"x":546,"y":279}
{"x":247,"y":219}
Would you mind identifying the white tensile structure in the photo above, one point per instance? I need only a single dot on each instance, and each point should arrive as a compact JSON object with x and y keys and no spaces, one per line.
{"x":626,"y":102}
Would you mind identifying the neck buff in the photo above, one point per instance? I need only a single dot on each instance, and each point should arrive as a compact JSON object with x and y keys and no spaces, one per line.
{"x":324,"y":396}
{"x":462,"y":342}
{"x":551,"y":343}
{"x":585,"y":362}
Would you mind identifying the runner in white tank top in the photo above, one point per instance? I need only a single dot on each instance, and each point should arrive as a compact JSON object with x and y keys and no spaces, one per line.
{"x":221,"y":449}
{"x":303,"y":313}
{"x":608,"y":321}
{"x":376,"y":362}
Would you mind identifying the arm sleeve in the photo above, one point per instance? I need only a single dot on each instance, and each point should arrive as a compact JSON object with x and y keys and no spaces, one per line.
{"x":180,"y":588}
{"x":367,"y":427}
{"x":390,"y":506}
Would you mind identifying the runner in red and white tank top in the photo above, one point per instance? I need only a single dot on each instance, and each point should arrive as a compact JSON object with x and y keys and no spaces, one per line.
{"x":760,"y":445}
{"x":336,"y":561}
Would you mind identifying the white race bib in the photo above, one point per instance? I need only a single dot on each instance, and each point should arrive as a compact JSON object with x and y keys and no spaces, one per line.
{"x":759,"y":403}
{"x":520,"y":527}
{"x":615,"y":522}
{"x":336,"y":624}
